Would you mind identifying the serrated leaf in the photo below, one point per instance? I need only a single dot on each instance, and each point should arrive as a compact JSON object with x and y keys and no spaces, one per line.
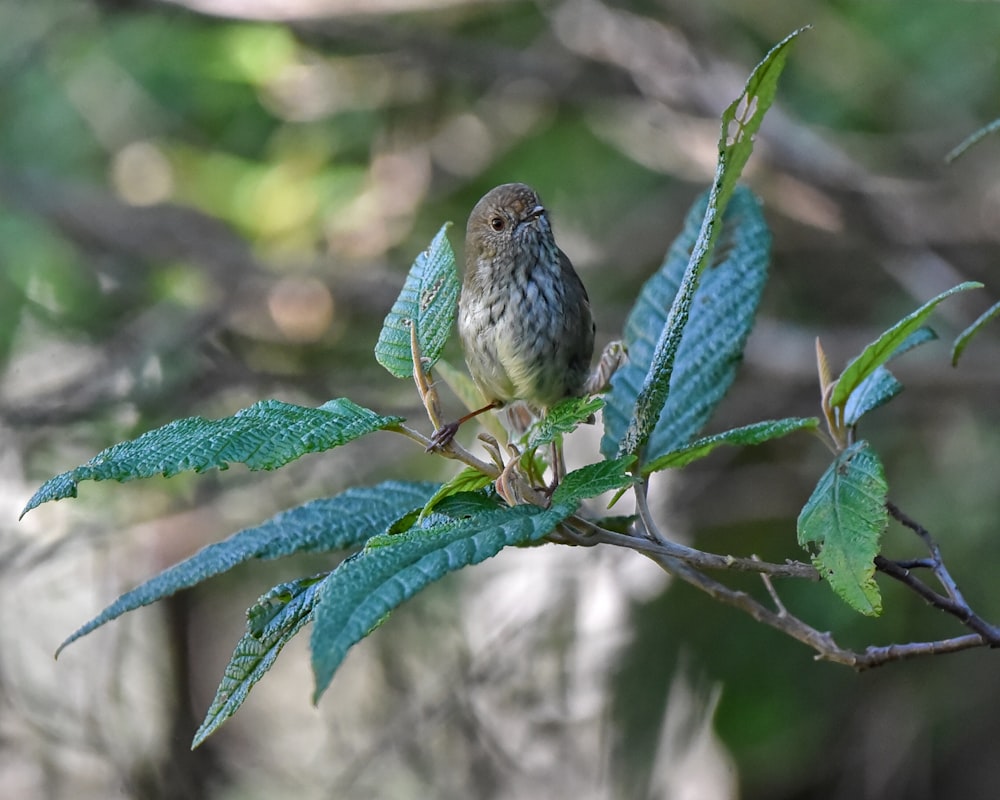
{"x":963,"y":339}
{"x":468,"y":480}
{"x":882,"y":349}
{"x":842,"y":524}
{"x":428,"y":300}
{"x":468,"y":504}
{"x":562,"y":418}
{"x":267,"y":435}
{"x":592,"y":480}
{"x":721,"y":317}
{"x":357,"y":596}
{"x":271,"y":623}
{"x":740,"y":123}
{"x":881,"y":386}
{"x":319,"y":526}
{"x":757,"y":433}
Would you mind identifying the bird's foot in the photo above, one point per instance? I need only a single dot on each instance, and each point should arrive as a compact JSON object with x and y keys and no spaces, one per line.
{"x":442,"y":437}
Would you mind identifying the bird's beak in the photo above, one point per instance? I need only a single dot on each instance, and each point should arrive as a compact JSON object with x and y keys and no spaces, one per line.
{"x":532,"y":216}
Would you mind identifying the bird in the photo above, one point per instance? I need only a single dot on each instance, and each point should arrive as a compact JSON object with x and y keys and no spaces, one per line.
{"x":524,"y":316}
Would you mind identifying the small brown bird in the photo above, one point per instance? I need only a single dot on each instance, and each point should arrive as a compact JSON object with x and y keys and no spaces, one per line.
{"x":523,"y":315}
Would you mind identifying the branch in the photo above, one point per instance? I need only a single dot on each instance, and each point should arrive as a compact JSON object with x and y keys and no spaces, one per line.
{"x":688,"y":563}
{"x":953,"y":602}
{"x":432,"y":405}
{"x":587,"y":533}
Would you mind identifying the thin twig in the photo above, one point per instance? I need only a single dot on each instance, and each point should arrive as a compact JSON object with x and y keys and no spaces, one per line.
{"x":691,"y":555}
{"x":680,"y":561}
{"x":958,"y":609}
{"x":769,"y":585}
{"x":955,"y":602}
{"x":584,"y":532}
{"x":432,"y":405}
{"x":822,"y":642}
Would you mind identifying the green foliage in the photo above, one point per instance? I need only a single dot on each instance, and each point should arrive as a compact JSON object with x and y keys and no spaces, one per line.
{"x":562,"y":418}
{"x":267,"y":435}
{"x":963,"y":339}
{"x":427,"y":302}
{"x":883,"y":348}
{"x":720,"y":319}
{"x":842,"y":523}
{"x":740,"y":123}
{"x":757,"y":433}
{"x":685,"y":338}
{"x":357,"y":596}
{"x":271,"y":623}
{"x":468,"y":480}
{"x":881,"y":385}
{"x":325,"y":525}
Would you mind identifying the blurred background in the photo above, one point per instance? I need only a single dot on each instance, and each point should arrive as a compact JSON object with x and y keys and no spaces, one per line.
{"x":208,"y":202}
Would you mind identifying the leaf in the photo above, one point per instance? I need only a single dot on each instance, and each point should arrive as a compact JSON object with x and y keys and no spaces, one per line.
{"x":468,"y":504}
{"x":874,"y":391}
{"x":963,"y":339}
{"x":842,"y":524}
{"x":468,"y":480}
{"x":592,"y":480}
{"x":562,"y":418}
{"x":267,"y":435}
{"x":881,"y":386}
{"x":740,"y":123}
{"x":429,"y":300}
{"x":757,"y":433}
{"x":882,"y":349}
{"x":328,"y":524}
{"x":720,"y":320}
{"x":271,"y":623}
{"x":357,"y":596}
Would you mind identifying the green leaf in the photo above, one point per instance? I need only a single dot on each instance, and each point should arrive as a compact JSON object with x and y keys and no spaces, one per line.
{"x":429,"y":300}
{"x":332,"y":523}
{"x":842,"y":524}
{"x":740,"y":123}
{"x":267,"y":435}
{"x":592,"y":480}
{"x":883,"y":348}
{"x":562,"y":418}
{"x":357,"y":596}
{"x":757,"y":433}
{"x":718,"y":325}
{"x":468,"y":480}
{"x":881,"y":386}
{"x":874,"y":391}
{"x":965,"y":336}
{"x":271,"y":623}
{"x":468,"y":504}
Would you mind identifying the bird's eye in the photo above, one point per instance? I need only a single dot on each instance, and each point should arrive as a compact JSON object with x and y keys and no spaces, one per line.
{"x":497,"y":223}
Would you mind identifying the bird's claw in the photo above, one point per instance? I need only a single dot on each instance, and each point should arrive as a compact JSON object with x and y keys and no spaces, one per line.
{"x":442,"y":437}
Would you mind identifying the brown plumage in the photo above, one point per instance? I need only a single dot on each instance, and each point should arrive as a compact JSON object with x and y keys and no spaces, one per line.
{"x":523,"y":315}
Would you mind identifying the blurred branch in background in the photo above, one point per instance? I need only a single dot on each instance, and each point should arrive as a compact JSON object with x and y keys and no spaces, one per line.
{"x":205,"y":203}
